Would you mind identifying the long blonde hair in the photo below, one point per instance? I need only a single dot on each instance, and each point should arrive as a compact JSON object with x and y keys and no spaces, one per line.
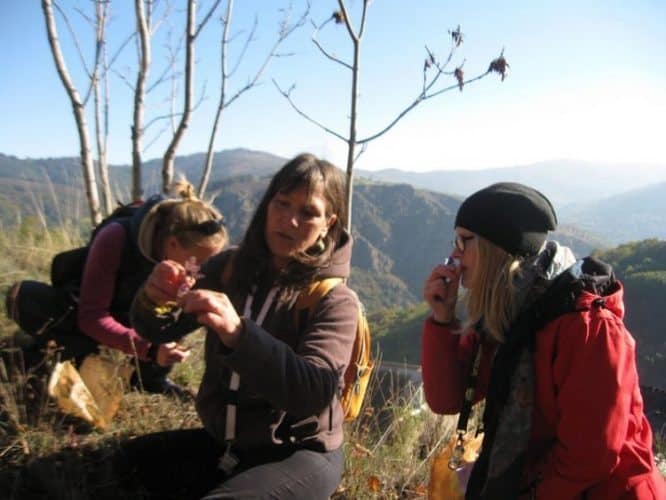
{"x":491,"y":296}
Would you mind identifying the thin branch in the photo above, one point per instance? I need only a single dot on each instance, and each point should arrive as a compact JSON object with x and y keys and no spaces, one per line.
{"x":75,"y":38}
{"x":287,"y":96}
{"x":164,"y":79}
{"x":327,"y":54}
{"x":363,"y":18}
{"x":84,"y":15}
{"x":416,"y":102}
{"x":285,"y":32}
{"x":169,"y":68}
{"x":155,"y":27}
{"x":123,"y":78}
{"x":241,"y":55}
{"x":152,"y":141}
{"x":364,"y":146}
{"x":345,"y":15}
{"x":206,"y":18}
{"x":120,"y":49}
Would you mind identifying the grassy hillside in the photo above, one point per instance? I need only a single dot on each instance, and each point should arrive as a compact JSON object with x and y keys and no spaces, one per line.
{"x":46,"y":454}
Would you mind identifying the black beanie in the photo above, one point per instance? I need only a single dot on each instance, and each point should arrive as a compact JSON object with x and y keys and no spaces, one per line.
{"x":513,"y":216}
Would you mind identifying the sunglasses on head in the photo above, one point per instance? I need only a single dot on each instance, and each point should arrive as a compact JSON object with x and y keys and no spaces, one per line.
{"x":206,"y":228}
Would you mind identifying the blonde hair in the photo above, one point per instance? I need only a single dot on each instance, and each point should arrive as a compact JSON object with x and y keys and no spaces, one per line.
{"x":182,"y":217}
{"x":491,"y":296}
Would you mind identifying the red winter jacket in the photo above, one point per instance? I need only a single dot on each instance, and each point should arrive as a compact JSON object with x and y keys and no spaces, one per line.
{"x":589,"y":433}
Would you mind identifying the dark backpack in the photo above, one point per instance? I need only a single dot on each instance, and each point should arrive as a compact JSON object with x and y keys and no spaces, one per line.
{"x":67,"y":267}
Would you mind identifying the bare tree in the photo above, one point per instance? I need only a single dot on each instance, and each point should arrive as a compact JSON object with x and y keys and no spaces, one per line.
{"x":192,"y":32}
{"x":285,"y":29}
{"x":101,"y":97}
{"x":432,"y":71}
{"x":78,"y":108}
{"x":145,"y":54}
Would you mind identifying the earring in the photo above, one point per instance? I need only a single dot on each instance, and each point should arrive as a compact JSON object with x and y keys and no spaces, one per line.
{"x":319,"y":246}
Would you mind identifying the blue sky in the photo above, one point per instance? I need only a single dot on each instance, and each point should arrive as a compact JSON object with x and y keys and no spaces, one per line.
{"x":587,"y":81}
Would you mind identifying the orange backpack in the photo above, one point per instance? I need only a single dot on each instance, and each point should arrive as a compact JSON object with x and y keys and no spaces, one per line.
{"x":357,"y":374}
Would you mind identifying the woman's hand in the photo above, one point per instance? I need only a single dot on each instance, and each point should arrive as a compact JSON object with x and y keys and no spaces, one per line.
{"x":170,"y":353}
{"x":440,"y":291}
{"x":214,"y":310}
{"x":165,"y":281}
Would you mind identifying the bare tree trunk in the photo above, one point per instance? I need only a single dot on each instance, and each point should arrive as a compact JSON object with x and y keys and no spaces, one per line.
{"x":101,"y":130}
{"x":170,"y":155}
{"x":102,"y":165}
{"x":79,"y":114}
{"x":143,"y":29}
{"x":210,"y":153}
{"x":355,"y":70}
{"x":429,"y":90}
{"x":351,"y":143}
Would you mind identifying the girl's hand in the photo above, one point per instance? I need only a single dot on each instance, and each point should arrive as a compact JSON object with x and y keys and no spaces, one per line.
{"x":165,"y":281}
{"x":214,"y":310}
{"x":440,"y":291}
{"x":170,"y":353}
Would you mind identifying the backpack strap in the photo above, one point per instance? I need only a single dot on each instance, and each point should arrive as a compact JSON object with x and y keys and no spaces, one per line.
{"x":317,"y":290}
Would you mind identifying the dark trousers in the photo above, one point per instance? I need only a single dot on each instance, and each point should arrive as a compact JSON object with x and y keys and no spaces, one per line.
{"x":48,"y":313}
{"x":183,"y":464}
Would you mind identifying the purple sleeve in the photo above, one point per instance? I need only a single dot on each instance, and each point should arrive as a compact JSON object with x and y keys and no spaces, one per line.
{"x":97,"y":289}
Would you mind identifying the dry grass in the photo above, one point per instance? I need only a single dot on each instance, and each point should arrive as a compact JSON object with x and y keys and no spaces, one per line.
{"x":44,"y":453}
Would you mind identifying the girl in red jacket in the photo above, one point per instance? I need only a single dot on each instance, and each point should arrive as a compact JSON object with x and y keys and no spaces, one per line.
{"x":563,"y":414}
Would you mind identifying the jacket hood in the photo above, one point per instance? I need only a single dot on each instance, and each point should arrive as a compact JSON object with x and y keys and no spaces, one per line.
{"x":599,"y":285}
{"x":340,"y":266}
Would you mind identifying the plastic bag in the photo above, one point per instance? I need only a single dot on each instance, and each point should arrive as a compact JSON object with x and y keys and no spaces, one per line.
{"x":94,"y":393}
{"x":72,"y":396}
{"x":107,"y":381}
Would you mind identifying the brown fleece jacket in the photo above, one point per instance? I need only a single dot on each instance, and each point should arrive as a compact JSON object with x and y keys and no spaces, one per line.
{"x":290,"y":380}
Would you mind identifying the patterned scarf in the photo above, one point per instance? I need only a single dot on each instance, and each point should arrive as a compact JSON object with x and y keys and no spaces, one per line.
{"x":507,"y":418}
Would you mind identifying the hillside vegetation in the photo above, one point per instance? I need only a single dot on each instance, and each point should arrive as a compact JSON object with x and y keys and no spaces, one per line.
{"x":45,"y":454}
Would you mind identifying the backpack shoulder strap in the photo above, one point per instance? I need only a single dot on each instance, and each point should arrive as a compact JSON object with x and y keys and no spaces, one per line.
{"x":310,"y":297}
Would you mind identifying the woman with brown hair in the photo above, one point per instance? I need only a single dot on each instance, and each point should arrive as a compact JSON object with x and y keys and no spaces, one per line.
{"x":269,"y":397}
{"x":545,"y":345}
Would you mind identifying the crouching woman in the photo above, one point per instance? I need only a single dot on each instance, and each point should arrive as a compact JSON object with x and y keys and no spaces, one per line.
{"x":268,"y":399}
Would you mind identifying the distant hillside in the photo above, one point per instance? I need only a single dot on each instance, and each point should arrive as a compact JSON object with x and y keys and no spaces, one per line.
{"x":34,"y":184}
{"x":400,"y":233}
{"x":630,"y":216}
{"x":563,"y":181}
{"x":641,"y":266}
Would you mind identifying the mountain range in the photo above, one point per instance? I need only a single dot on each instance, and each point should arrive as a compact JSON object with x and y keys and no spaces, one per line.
{"x":597,"y":206}
{"x":400,"y":230}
